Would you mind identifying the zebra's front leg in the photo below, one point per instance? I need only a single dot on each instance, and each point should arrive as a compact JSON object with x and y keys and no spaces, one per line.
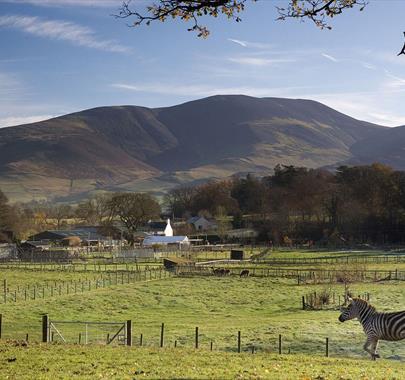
{"x":373,"y":343}
{"x":374,"y":347}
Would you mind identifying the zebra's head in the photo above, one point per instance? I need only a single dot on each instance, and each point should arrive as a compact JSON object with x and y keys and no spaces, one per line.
{"x":353,"y":310}
{"x":349,"y":312}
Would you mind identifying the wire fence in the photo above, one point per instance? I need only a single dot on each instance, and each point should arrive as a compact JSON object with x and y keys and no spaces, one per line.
{"x":343,"y":343}
{"x":54,"y":288}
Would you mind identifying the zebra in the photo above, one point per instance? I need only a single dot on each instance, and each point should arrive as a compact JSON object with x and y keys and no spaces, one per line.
{"x":377,"y":326}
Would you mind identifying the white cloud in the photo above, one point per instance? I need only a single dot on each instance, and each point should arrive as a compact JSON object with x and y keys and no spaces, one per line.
{"x":84,"y":3}
{"x":201,"y":90}
{"x":254,"y":61}
{"x":368,"y":66}
{"x":330,"y":57}
{"x":60,"y":30}
{"x":395,"y":82}
{"x":251,"y":44}
{"x":18,"y":120}
{"x":239,"y":42}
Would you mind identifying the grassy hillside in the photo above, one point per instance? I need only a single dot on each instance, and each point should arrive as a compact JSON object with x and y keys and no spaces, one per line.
{"x":131,"y":148}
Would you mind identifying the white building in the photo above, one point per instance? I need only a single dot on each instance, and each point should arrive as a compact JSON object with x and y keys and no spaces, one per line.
{"x":165,"y":240}
{"x":168,"y":230}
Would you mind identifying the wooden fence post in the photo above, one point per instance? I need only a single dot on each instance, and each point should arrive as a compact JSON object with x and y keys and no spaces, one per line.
{"x":129,"y":333}
{"x":327,"y":347}
{"x":196,"y":337}
{"x":279,"y":344}
{"x":211,"y":345}
{"x":303,"y":302}
{"x":45,"y":328}
{"x":239,"y":341}
{"x":1,"y":325}
{"x":162,"y":331}
{"x":141,"y":340}
{"x":5,"y":290}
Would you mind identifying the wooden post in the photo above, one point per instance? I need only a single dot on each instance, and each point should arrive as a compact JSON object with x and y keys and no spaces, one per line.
{"x":80,"y":338}
{"x":253,"y":349}
{"x":162,"y":331}
{"x":196,"y":337}
{"x":5,"y":290}
{"x":129,"y":333}
{"x":141,"y":340}
{"x":279,"y":344}
{"x":211,"y":345}
{"x":26,"y":337}
{"x":327,"y":347}
{"x":1,"y":325}
{"x":175,"y":343}
{"x":45,"y":328}
{"x":238,"y":341}
{"x":303,"y":302}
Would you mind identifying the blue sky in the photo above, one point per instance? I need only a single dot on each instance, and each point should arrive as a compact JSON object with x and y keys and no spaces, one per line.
{"x":61,"y":56}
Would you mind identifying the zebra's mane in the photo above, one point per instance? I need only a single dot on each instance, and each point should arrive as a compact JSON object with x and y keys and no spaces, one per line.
{"x":359,"y":301}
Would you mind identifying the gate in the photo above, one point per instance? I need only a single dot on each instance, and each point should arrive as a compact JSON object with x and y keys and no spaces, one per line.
{"x":86,"y":332}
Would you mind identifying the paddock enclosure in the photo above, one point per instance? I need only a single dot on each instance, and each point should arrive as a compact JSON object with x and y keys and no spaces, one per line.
{"x":278,"y":308}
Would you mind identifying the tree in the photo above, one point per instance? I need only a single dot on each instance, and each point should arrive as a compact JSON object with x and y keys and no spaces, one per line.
{"x":6,"y":215}
{"x":134,"y":209}
{"x":317,"y":11}
{"x":95,"y":210}
{"x":178,"y":201}
{"x":214,"y":197}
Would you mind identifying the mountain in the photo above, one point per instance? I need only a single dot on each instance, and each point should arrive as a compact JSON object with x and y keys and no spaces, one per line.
{"x":386,"y":146}
{"x":143,"y":149}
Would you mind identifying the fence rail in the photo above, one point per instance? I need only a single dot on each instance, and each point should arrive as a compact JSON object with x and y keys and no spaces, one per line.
{"x":303,"y":275}
{"x":349,"y":259}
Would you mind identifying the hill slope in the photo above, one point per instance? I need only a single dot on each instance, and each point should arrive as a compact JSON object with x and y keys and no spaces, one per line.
{"x":137,"y":148}
{"x":387,"y":147}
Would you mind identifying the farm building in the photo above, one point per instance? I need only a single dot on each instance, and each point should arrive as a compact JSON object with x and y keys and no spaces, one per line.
{"x":165,"y":240}
{"x":174,"y":262}
{"x":7,"y":251}
{"x":88,"y":235}
{"x":201,"y":223}
{"x":158,"y":228}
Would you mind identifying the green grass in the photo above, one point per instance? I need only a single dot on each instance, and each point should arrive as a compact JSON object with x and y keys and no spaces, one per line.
{"x":261,"y":308}
{"x":95,"y":362}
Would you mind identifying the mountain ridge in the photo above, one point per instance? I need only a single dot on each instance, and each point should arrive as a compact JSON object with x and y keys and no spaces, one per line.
{"x":153,"y":149}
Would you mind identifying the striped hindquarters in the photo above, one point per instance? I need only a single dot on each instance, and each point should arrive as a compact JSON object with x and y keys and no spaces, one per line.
{"x":386,"y":326}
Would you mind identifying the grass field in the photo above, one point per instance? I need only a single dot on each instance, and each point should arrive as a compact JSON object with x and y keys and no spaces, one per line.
{"x":261,"y":308}
{"x":93,"y":362}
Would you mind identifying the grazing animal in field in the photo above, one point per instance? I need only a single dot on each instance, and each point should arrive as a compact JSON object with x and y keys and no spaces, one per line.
{"x":377,"y":326}
{"x":226,"y":272}
{"x":244,"y":273}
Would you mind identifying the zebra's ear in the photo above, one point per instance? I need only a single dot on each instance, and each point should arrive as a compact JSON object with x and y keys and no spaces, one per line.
{"x":350,"y":299}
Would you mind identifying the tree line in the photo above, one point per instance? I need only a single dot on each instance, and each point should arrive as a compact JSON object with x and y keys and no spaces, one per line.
{"x":359,"y":204}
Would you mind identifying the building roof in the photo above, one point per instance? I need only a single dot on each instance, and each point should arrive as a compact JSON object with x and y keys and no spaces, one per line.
{"x":156,"y":239}
{"x":83,"y":233}
{"x":195,"y":219}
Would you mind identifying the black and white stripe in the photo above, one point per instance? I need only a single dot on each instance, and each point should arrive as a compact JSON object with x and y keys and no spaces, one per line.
{"x":377,"y":326}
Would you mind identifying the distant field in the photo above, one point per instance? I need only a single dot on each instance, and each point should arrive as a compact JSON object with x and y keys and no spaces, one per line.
{"x":94,"y":362}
